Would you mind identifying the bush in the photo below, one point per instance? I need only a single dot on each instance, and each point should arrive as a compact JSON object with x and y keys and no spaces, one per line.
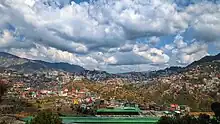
{"x":202,"y":119}
{"x":46,"y":117}
{"x":216,"y":109}
{"x":3,"y":122}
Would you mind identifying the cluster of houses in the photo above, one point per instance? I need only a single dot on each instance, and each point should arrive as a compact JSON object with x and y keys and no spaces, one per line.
{"x":22,"y":91}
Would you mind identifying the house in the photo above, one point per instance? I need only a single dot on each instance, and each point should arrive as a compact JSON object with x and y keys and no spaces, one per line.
{"x":174,"y":107}
{"x":44,"y":92}
{"x":78,"y":78}
{"x":18,"y":85}
{"x":89,"y":100}
{"x":61,"y":93}
{"x":81,"y":93}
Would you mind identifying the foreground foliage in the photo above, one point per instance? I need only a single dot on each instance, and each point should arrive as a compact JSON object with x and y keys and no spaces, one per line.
{"x":3,"y":89}
{"x":46,"y":117}
{"x":202,"y":119}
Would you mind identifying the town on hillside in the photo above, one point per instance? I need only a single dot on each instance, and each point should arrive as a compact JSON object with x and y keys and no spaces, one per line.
{"x":173,"y":91}
{"x":73,"y":94}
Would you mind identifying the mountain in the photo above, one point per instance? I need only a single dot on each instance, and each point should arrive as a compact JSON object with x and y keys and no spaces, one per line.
{"x":143,"y":76}
{"x":206,"y":59}
{"x":210,"y":60}
{"x":7,"y":55}
{"x":196,"y":85}
{"x":9,"y":61}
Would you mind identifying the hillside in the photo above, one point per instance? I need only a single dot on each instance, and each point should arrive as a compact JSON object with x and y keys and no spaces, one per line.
{"x":8,"y":61}
{"x":141,"y":76}
{"x":206,"y":59}
{"x":197,"y":85}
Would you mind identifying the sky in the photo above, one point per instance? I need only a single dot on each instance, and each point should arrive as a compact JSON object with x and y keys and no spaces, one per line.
{"x":111,"y":35}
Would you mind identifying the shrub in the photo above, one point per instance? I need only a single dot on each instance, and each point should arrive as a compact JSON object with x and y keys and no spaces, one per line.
{"x":202,"y":119}
{"x":46,"y":117}
{"x":216,"y":109}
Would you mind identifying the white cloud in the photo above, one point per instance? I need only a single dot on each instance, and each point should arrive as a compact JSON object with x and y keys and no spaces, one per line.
{"x":6,"y":38}
{"x":9,"y":39}
{"x":126,"y":48}
{"x":184,"y":53}
{"x":106,"y":31}
{"x":126,"y":58}
{"x":95,"y":25}
{"x":168,"y":47}
{"x":44,"y":53}
{"x":111,"y":60}
{"x":189,"y":58}
{"x":193,"y":52}
{"x":52,"y":54}
{"x":194,"y":47}
{"x":156,"y":56}
{"x":140,"y":47}
{"x":141,"y":54}
{"x":205,"y":19}
{"x":154,"y":40}
{"x":179,"y":42}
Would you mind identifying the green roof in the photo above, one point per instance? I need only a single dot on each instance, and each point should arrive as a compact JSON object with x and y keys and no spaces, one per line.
{"x":98,"y":120}
{"x":123,"y":109}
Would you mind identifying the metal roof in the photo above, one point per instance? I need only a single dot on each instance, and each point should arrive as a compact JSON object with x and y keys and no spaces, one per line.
{"x":122,"y":109}
{"x":136,"y":120}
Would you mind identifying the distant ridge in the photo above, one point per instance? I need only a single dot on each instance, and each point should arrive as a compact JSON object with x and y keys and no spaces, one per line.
{"x":3,"y":54}
{"x":9,"y":61}
{"x":206,"y":59}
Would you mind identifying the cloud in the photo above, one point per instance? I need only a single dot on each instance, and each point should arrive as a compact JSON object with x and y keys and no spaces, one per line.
{"x":156,"y":56}
{"x":169,"y":47}
{"x":51,"y":54}
{"x":179,"y":42}
{"x":140,"y":47}
{"x":9,"y":39}
{"x":105,"y":32}
{"x":128,"y":58}
{"x":205,"y":19}
{"x":194,"y":48}
{"x":189,"y":58}
{"x":217,"y":45}
{"x":154,"y":40}
{"x":140,"y":54}
{"x":6,"y":38}
{"x":183,"y":53}
{"x":102,"y":24}
{"x":126,"y":48}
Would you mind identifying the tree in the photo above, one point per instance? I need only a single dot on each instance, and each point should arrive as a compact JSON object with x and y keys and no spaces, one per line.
{"x":46,"y":117}
{"x":3,"y":122}
{"x":216,"y":109}
{"x":187,"y":119}
{"x":3,"y":89}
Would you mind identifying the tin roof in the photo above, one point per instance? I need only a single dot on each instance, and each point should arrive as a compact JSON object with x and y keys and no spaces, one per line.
{"x":120,"y":109}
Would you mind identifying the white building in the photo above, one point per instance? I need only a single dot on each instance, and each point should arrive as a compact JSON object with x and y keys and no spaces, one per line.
{"x":78,"y":78}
